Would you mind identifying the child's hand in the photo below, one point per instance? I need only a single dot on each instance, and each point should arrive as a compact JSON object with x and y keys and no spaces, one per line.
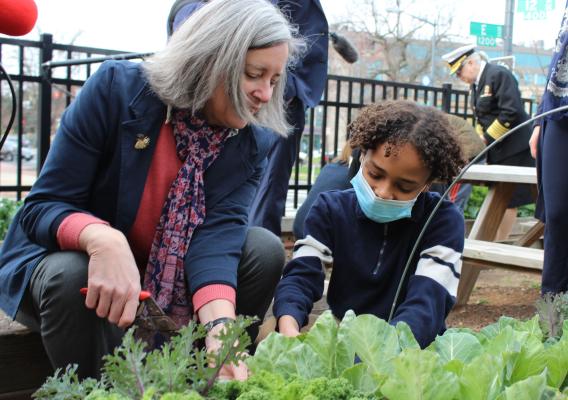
{"x":288,"y":326}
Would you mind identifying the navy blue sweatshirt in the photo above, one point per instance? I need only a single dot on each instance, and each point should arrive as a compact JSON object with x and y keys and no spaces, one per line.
{"x":368,"y":260}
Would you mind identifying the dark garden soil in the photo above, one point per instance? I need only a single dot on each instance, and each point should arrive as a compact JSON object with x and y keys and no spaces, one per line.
{"x":498,"y":292}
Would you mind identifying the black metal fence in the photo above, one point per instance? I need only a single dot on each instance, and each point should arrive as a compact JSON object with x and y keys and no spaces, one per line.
{"x":48,"y":75}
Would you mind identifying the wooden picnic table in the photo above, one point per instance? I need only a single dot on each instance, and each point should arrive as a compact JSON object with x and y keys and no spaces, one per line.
{"x":502,"y":180}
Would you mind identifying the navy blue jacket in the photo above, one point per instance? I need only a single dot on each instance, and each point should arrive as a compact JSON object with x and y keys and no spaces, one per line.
{"x":368,"y":261}
{"x":93,"y":167}
{"x":497,"y":98}
{"x":333,"y":176}
{"x":307,"y":79}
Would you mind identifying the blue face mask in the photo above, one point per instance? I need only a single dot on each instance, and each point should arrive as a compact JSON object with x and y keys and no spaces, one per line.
{"x":375,"y":208}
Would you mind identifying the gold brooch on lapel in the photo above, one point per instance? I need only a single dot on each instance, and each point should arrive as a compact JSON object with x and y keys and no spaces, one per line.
{"x":142,"y":142}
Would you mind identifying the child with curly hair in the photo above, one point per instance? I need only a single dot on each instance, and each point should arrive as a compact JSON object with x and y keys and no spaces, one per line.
{"x":368,"y":232}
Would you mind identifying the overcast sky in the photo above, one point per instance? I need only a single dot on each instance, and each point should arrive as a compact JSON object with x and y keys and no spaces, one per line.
{"x":139,"y":25}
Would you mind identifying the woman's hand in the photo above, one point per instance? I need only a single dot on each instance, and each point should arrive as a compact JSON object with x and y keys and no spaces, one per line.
{"x":533,"y":141}
{"x":114,"y":280}
{"x":237,"y":371}
{"x":209,"y":312}
{"x":230,"y":372}
{"x":288,"y":326}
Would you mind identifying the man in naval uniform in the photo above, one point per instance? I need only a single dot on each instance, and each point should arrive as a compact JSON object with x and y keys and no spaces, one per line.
{"x":497,"y":106}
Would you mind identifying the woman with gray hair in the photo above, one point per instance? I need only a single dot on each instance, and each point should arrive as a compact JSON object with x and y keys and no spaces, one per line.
{"x":148,"y":185}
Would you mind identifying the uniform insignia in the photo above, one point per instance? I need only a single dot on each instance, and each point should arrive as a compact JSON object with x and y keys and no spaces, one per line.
{"x":487,"y":90}
{"x":142,"y":142}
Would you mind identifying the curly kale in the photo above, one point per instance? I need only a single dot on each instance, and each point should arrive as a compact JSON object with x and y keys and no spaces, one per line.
{"x":266,"y":385}
{"x":178,"y":370}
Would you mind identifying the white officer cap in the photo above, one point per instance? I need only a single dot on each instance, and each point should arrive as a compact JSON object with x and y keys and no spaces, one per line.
{"x":456,"y":57}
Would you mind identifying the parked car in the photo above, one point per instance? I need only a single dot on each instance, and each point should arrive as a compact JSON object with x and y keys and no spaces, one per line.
{"x":9,"y":150}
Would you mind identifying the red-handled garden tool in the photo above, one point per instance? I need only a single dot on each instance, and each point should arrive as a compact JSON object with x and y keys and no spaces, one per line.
{"x":153,"y":325}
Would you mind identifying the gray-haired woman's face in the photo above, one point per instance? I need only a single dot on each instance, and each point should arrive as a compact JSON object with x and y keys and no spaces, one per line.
{"x":263,"y":69}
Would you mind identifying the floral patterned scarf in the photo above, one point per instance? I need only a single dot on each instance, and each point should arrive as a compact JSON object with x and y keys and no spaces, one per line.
{"x":197,"y":145}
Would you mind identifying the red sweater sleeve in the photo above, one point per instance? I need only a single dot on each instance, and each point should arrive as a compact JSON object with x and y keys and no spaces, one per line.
{"x":71,"y":227}
{"x":213,"y":292}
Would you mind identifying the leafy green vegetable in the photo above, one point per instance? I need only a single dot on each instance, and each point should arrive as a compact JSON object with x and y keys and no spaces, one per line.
{"x":362,"y":379}
{"x":418,"y":375}
{"x":322,"y":339}
{"x":8,"y":208}
{"x":557,"y":360}
{"x":483,"y":378}
{"x":272,"y":355}
{"x":531,"y":388}
{"x":344,"y":351}
{"x":375,"y":342}
{"x":177,"y":369}
{"x":267,"y":385}
{"x":65,"y":385}
{"x":552,"y":311}
{"x":461,"y":346}
{"x":361,"y":357}
{"x":406,"y":339}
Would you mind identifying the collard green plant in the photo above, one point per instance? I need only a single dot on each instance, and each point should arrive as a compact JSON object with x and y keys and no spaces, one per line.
{"x":461,"y":364}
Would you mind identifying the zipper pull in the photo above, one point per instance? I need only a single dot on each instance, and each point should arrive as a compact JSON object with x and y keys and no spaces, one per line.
{"x":382,"y":250}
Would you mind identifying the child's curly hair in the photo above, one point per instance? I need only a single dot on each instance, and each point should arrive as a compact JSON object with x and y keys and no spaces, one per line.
{"x":397,"y":122}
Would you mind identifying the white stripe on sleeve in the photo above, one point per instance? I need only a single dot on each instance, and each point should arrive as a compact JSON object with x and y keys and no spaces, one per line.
{"x":443,"y":265}
{"x":311,"y":247}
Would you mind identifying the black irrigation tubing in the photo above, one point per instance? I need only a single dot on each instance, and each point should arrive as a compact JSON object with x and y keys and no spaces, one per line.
{"x":14,"y":106}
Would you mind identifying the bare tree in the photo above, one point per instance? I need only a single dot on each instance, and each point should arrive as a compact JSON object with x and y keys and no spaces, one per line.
{"x":400,"y":37}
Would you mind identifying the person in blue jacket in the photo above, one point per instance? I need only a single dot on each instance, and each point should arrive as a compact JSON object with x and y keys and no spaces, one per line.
{"x":549,"y":143}
{"x":148,"y":184}
{"x":367,"y":232}
{"x":305,"y":83}
{"x":333,"y":176}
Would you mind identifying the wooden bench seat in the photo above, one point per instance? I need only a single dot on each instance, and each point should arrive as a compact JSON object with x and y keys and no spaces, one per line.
{"x":480,"y":254}
{"x":492,"y":255}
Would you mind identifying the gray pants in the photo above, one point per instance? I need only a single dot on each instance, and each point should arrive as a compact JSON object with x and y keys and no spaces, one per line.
{"x":73,"y":334}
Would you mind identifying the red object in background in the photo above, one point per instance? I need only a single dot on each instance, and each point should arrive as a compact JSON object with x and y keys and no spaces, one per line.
{"x":17,"y":17}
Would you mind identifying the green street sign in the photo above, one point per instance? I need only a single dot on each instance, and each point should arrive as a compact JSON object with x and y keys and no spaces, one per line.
{"x":530,"y":6}
{"x":534,"y":10}
{"x":481,"y":29}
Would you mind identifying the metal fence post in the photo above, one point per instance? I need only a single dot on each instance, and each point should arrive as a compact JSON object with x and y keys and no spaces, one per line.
{"x":446,"y":97}
{"x":44,"y":104}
